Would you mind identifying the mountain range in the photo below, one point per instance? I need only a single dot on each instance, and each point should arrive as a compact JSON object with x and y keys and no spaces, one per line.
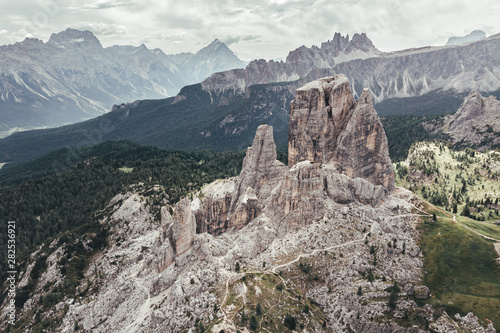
{"x":72,"y":77}
{"x":223,"y":111}
{"x":327,"y":243}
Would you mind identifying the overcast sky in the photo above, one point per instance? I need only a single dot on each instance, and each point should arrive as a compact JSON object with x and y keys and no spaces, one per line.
{"x":252,"y":29}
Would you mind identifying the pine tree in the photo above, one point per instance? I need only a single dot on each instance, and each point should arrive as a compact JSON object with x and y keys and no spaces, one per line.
{"x":370,"y":277}
{"x":392,"y":299}
{"x":253,"y":323}
{"x":258,"y":309}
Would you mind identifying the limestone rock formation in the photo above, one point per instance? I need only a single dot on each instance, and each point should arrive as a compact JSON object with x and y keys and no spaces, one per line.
{"x":318,"y":115}
{"x":338,"y":153}
{"x":179,"y":274}
{"x":176,"y":235}
{"x":212,"y":210}
{"x":362,"y":149}
{"x":328,"y":126}
{"x":259,"y":171}
{"x":476,"y":124}
{"x":184,"y":227}
{"x":311,"y":190}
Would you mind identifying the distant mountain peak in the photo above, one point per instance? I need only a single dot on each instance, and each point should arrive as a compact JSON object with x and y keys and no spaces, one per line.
{"x":216,"y":44}
{"x":474,"y":36}
{"x":75,"y":38}
{"x":476,"y":124}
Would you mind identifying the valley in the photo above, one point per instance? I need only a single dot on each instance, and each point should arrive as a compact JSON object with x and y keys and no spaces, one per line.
{"x":72,"y":77}
{"x":290,"y":241}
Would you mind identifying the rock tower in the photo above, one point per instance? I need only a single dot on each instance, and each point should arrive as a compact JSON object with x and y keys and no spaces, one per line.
{"x":328,"y":126}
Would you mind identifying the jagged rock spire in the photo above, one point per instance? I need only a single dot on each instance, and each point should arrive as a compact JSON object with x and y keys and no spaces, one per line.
{"x":362,"y":150}
{"x":318,"y":114}
{"x":328,"y":126}
{"x":259,"y":166}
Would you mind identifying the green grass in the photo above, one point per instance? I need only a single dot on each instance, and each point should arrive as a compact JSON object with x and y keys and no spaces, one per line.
{"x":461,"y":271}
{"x":484,"y":228}
{"x":126,"y":170}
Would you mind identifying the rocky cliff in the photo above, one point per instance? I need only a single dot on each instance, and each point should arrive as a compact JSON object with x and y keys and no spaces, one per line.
{"x":299,"y":63}
{"x":332,"y":134}
{"x":318,"y":116}
{"x":476,"y":124}
{"x":363,"y":150}
{"x":328,"y":126}
{"x":405,"y":73}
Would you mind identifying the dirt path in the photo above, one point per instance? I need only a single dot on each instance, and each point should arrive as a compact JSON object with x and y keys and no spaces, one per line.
{"x":497,"y":247}
{"x":497,"y":241}
{"x":476,"y":232}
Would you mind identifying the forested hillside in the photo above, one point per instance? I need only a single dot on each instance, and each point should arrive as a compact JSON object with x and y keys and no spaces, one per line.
{"x":77,"y":183}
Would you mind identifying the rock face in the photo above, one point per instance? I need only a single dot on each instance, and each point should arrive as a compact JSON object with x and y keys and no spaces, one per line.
{"x":318,"y":115}
{"x":337,"y":153}
{"x":328,"y":126}
{"x":476,"y":124}
{"x":184,"y":227}
{"x":179,"y":274}
{"x":405,"y":73}
{"x":363,"y":150}
{"x":259,"y":171}
{"x":298,"y":63}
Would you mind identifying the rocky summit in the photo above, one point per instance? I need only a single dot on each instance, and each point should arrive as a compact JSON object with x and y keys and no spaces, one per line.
{"x":328,"y":126}
{"x":476,"y":124}
{"x":320,"y":245}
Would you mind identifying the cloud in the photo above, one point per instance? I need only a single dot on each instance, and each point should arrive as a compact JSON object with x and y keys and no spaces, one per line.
{"x":228,"y":40}
{"x":100,"y":28}
{"x":258,"y":28}
{"x":101,"y":5}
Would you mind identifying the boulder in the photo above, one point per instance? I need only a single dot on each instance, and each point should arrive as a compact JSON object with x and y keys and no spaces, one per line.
{"x":421,"y":292}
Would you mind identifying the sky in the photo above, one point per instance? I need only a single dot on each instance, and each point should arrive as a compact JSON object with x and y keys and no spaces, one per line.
{"x":252,"y":29}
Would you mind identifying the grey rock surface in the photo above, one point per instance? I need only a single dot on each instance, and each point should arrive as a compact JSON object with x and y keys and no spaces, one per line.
{"x":363,"y":150}
{"x":476,"y":124}
{"x":170,"y":275}
{"x":328,"y":126}
{"x":405,"y":73}
{"x":318,"y":116}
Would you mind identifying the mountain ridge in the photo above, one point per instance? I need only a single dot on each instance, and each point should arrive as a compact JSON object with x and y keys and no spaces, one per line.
{"x":72,"y":77}
{"x":304,"y":245}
